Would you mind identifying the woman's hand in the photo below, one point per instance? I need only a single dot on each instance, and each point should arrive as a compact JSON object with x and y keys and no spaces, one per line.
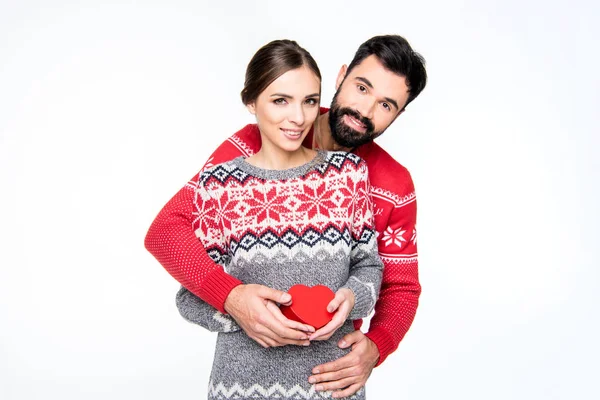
{"x":343,"y":302}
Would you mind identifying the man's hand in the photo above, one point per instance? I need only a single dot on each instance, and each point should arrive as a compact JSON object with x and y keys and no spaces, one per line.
{"x":343,"y":302}
{"x":350,"y":372}
{"x":253,"y":308}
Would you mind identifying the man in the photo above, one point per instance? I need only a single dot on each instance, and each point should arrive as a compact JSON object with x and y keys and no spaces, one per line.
{"x":384,"y":76}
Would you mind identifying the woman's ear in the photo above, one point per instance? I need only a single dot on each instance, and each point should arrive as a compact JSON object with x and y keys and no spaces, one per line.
{"x":251,"y":107}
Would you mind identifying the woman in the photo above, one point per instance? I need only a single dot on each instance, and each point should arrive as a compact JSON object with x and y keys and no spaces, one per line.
{"x":283,"y":216}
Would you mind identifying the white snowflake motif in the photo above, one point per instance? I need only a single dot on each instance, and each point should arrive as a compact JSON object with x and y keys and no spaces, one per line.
{"x":414,"y":236}
{"x":393,"y":236}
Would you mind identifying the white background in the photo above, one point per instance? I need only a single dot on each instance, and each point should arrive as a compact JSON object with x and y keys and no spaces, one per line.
{"x":107,"y":109}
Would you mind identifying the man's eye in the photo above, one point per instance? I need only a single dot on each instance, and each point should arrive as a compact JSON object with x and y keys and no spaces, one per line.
{"x":387,"y":106}
{"x":362,"y":88}
{"x":279,"y":101}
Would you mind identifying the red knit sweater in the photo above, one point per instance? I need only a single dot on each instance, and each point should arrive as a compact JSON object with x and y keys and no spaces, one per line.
{"x":172,"y":241}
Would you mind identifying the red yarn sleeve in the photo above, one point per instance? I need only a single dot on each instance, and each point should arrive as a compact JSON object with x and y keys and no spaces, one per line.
{"x":172,"y":241}
{"x":400,"y":290}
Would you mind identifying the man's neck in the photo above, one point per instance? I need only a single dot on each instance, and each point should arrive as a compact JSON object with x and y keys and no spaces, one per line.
{"x":322,"y":138}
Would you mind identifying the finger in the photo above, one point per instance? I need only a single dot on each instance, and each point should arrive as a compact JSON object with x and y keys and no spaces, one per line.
{"x":274,"y":340}
{"x":324,"y":331}
{"x":344,"y":373}
{"x":272,"y":327}
{"x":276,"y":311}
{"x":349,"y":360}
{"x":273,"y":294}
{"x":335,"y":303}
{"x":347,"y":392}
{"x":339,"y":384}
{"x":337,"y":321}
{"x":350,"y":339}
{"x":259,"y":341}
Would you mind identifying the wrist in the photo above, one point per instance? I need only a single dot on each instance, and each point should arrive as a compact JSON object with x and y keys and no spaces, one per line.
{"x":383,"y":341}
{"x":232,"y":297}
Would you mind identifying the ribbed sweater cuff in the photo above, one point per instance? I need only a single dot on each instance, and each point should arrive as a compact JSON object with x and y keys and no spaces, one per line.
{"x":363,"y":299}
{"x":383,"y":341}
{"x":217,"y":286}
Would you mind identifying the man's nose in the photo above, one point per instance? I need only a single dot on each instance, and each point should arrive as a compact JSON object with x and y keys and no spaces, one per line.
{"x":366,"y":107}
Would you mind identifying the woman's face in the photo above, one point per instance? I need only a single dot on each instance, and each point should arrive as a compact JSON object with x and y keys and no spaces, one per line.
{"x":287,"y":108}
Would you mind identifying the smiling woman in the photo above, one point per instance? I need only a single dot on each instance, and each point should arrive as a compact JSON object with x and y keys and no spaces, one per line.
{"x":285,"y":111}
{"x":283,"y":216}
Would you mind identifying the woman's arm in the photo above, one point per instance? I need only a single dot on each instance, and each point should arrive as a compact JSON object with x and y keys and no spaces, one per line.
{"x":199,"y":312}
{"x":172,"y":241}
{"x":366,"y":268}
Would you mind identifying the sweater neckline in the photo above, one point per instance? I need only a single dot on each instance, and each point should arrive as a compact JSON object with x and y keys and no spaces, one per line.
{"x":290,"y":173}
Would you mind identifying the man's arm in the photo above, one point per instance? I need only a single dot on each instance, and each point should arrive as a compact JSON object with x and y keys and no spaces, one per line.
{"x":172,"y":241}
{"x":400,"y":290}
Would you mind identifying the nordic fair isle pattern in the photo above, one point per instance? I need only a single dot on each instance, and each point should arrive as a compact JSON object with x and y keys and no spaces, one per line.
{"x":395,"y":212}
{"x":220,"y":392}
{"x":173,"y":243}
{"x":312,"y":225}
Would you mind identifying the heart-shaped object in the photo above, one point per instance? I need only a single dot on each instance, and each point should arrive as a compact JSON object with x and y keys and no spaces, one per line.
{"x":309,"y":305}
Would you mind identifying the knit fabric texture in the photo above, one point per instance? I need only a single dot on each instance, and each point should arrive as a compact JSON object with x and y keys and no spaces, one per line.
{"x":312,"y":225}
{"x":171,"y":240}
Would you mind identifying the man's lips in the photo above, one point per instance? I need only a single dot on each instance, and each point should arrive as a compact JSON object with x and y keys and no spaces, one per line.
{"x":354,"y":123}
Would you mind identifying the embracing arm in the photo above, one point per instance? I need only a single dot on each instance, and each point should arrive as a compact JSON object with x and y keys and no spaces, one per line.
{"x":400,"y":290}
{"x":172,"y":241}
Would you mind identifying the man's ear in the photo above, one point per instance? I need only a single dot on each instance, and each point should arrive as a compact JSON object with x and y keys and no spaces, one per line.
{"x":341,"y":76}
{"x":251,"y":107}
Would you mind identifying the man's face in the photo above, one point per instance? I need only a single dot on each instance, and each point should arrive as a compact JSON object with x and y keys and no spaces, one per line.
{"x":367,"y":101}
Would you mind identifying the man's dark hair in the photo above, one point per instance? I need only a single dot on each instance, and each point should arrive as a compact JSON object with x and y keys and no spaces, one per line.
{"x":270,"y":62}
{"x":396,"y":55}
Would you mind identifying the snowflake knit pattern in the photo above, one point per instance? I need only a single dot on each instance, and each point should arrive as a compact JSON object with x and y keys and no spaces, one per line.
{"x":311,"y":224}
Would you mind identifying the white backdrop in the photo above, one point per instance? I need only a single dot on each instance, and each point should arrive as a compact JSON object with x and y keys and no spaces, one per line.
{"x":106,"y":109}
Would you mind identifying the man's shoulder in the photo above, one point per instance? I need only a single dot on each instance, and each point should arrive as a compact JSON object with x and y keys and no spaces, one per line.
{"x":247,"y":139}
{"x":387,"y":175}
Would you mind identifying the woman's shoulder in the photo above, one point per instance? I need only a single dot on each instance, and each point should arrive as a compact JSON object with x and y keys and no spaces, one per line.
{"x":220,"y":172}
{"x":345,"y":161}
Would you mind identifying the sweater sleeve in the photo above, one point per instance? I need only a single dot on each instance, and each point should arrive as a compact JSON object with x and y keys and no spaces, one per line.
{"x":399,"y":297}
{"x":198,"y":312}
{"x":365,"y":265}
{"x":172,"y":241}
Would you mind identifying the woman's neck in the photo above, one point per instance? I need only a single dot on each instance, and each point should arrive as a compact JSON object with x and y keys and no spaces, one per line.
{"x":278,"y":159}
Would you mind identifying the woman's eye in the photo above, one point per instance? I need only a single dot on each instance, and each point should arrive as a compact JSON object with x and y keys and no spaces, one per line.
{"x":279,"y":101}
{"x":311,"y":102}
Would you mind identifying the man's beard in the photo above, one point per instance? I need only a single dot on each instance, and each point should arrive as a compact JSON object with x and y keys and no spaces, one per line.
{"x":344,"y":135}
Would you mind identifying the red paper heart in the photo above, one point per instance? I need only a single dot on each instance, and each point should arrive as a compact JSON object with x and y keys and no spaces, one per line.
{"x":309,"y":305}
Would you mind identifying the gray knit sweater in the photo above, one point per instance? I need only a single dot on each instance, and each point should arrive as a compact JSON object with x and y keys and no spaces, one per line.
{"x":311,"y":224}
